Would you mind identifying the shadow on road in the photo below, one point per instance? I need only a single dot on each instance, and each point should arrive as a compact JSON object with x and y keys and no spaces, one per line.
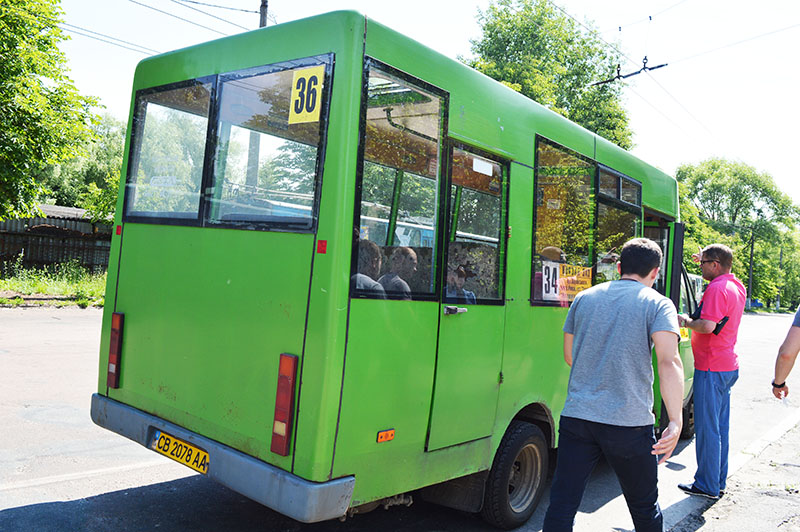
{"x":199,"y":504}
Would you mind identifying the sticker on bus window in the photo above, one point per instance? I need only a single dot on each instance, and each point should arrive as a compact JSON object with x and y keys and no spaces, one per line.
{"x":562,"y":282}
{"x":306,"y":95}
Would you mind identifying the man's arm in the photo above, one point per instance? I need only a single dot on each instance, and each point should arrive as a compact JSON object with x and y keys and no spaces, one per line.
{"x":568,"y":348}
{"x":699,"y":325}
{"x":670,"y":376}
{"x":787,"y":354}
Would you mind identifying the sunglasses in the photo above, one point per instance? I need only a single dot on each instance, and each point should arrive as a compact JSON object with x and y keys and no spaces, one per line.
{"x":704,"y":261}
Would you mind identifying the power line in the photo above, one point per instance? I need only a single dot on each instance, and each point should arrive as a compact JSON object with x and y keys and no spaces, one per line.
{"x":71,"y":27}
{"x":179,"y":18}
{"x":596,"y":34}
{"x":649,"y":17}
{"x":773,"y":32}
{"x":78,"y":32}
{"x":209,"y":14}
{"x":219,"y":7}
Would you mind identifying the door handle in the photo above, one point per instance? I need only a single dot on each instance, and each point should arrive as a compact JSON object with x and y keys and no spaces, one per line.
{"x":451,"y":309}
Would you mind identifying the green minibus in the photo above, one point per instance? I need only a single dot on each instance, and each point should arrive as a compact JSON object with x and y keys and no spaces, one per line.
{"x":341,"y":266}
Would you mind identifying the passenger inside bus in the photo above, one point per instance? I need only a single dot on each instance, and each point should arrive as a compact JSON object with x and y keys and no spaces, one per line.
{"x":455,"y":286}
{"x":402,"y":267}
{"x":369,"y":267}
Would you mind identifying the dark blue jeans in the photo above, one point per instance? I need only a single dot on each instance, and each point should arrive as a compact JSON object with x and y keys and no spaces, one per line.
{"x":626,"y":449}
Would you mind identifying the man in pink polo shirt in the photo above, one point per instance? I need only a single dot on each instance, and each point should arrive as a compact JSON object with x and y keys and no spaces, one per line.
{"x":716,"y":367}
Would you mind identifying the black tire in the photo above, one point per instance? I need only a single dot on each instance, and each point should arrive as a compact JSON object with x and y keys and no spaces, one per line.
{"x":688,"y":419}
{"x":517,"y":478}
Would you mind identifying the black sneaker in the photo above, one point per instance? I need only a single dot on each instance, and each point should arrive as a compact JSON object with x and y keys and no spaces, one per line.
{"x":692,"y":490}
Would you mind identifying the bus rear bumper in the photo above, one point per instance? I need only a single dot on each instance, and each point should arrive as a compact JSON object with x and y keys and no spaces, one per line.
{"x":288,"y":494}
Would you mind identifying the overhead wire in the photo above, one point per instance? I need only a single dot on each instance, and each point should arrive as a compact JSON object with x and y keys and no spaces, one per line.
{"x":219,"y":7}
{"x":647,"y":18}
{"x":210,"y":15}
{"x":178,"y":17}
{"x":85,"y":32}
{"x":767,"y":34}
{"x":270,"y":16}
{"x":597,"y":34}
{"x":78,"y":32}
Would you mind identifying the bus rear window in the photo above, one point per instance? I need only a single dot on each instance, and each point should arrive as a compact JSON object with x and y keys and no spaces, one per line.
{"x":166,"y":168}
{"x":267,"y":147}
{"x":255,"y":167}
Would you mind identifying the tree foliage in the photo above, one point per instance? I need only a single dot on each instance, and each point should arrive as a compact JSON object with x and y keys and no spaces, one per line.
{"x":538,"y":51}
{"x":43,"y":118}
{"x":68,"y":183}
{"x":733,"y":204}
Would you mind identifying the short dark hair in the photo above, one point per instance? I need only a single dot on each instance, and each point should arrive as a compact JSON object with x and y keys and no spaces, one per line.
{"x":639,"y":256}
{"x":720,"y":253}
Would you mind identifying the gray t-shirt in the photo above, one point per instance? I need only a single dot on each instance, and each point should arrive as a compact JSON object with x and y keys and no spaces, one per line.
{"x":796,"y":322}
{"x":612,"y":368}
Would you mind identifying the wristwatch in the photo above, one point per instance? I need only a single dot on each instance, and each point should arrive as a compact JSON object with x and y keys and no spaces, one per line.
{"x":781,"y":385}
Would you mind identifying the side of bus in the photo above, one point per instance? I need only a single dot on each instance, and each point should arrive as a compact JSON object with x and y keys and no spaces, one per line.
{"x":316,"y":373}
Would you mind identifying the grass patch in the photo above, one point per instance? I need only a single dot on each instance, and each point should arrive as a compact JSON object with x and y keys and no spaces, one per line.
{"x":68,"y":281}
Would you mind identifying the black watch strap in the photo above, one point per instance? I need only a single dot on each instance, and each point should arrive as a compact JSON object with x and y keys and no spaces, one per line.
{"x":781,"y":385}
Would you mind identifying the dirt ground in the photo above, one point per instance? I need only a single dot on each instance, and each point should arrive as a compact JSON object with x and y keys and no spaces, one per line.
{"x":33,"y":299}
{"x":764,"y":495}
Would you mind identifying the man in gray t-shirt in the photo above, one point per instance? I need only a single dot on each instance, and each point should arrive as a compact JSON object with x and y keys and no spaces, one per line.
{"x":609,"y":334}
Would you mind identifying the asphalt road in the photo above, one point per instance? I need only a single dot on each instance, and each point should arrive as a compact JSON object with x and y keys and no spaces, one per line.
{"x":58,"y":471}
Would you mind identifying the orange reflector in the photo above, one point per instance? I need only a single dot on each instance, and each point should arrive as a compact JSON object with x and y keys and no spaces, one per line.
{"x":385,"y":435}
{"x":284,"y":405}
{"x":115,"y":349}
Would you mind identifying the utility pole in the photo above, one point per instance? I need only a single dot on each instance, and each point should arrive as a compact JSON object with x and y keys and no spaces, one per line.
{"x":251,"y":178}
{"x":263,"y":14}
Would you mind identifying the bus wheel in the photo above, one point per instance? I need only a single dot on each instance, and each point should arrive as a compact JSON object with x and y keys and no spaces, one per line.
{"x":516,"y":481}
{"x":688,"y":419}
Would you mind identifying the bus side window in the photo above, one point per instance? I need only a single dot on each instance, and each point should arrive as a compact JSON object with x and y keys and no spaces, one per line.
{"x":476,"y":242}
{"x":563,"y":226}
{"x":401,"y":127}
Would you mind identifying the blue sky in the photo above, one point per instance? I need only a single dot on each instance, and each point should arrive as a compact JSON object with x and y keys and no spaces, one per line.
{"x":729,"y":89}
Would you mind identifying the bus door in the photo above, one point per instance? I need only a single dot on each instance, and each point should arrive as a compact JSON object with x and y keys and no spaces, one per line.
{"x":471,"y":327}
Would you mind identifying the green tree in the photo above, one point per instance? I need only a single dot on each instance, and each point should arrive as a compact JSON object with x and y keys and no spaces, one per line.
{"x":538,"y":51}
{"x":67,"y":183}
{"x":43,"y":118}
{"x":733,"y":204}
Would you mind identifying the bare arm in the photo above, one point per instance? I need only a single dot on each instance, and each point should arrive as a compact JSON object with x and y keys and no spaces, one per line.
{"x":670,"y":375}
{"x":568,"y":348}
{"x":787,"y":354}
{"x":699,"y":325}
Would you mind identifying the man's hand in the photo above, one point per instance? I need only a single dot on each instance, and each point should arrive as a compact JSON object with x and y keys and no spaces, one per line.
{"x":683,"y":320}
{"x":667,"y":442}
{"x":780,"y":393}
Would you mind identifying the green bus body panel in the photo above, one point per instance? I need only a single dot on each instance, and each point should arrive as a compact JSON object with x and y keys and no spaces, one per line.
{"x":342,"y":34}
{"x":467,"y":375}
{"x":214,"y":372}
{"x":388,"y":380}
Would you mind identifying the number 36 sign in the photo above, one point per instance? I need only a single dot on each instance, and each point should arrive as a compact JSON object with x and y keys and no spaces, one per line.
{"x":306,"y":95}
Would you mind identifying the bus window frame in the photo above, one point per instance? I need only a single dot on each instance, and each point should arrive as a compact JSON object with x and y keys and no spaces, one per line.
{"x":595,"y":177}
{"x":212,"y":141}
{"x":441,"y":215}
{"x":134,"y":152}
{"x":615,"y":203}
{"x":450,"y":232}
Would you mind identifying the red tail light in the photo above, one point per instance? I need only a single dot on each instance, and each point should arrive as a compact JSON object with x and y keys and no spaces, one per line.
{"x":115,"y":349}
{"x":284,"y":403}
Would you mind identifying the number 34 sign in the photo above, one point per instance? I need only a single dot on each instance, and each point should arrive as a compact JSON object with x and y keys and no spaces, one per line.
{"x":306,"y":95}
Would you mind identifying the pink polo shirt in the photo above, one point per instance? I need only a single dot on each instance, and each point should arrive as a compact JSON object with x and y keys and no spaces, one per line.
{"x":724,"y":296}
